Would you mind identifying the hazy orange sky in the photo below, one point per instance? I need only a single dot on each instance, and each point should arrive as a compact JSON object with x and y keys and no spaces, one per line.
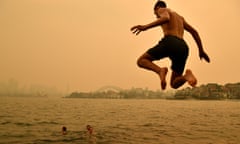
{"x":85,"y":44}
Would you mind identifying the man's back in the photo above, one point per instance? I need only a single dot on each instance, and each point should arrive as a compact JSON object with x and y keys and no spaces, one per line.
{"x":175,"y":24}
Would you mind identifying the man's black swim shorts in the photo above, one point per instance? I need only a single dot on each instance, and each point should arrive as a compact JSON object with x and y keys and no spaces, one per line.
{"x":174,"y":48}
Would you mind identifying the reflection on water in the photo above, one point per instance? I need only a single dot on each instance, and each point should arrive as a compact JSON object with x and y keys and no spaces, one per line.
{"x":40,"y":121}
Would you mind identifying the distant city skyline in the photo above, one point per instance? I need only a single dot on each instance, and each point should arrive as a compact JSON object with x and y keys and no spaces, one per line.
{"x":13,"y":88}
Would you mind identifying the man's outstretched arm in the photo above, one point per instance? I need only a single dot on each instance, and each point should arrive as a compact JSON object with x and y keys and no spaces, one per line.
{"x":196,"y":37}
{"x":163,"y":18}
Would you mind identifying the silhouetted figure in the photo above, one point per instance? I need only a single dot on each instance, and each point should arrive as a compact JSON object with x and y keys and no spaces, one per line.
{"x":171,"y":46}
{"x":89,"y":129}
{"x":64,"y":130}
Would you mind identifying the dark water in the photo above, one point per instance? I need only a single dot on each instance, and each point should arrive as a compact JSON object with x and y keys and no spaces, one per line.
{"x":39,"y":121}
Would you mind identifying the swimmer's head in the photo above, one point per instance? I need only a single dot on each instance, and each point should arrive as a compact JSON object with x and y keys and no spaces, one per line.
{"x":64,"y":128}
{"x":88,"y":127}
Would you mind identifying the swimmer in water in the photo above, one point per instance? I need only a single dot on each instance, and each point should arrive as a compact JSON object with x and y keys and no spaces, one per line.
{"x":89,"y":129}
{"x":64,"y":130}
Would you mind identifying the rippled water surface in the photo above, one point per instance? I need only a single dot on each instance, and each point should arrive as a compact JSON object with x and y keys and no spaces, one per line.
{"x":39,"y":121}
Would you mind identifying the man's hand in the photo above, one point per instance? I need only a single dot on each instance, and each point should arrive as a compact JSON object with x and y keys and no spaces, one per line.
{"x":204,"y":56}
{"x":138,"y":28}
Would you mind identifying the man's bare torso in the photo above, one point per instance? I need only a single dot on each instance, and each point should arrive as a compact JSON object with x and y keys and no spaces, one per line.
{"x":175,"y":25}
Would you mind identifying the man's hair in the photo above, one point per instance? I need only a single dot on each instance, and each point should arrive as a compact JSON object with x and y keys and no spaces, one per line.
{"x":161,"y":4}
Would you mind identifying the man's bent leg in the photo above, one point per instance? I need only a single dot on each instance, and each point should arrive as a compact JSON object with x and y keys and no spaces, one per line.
{"x":190,"y":78}
{"x":145,"y":61}
{"x":177,"y":80}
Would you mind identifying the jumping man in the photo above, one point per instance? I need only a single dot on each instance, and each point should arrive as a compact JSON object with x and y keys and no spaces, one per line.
{"x":172,"y":45}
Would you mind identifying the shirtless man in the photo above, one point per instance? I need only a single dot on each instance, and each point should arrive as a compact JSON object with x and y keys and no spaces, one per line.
{"x":172,"y":45}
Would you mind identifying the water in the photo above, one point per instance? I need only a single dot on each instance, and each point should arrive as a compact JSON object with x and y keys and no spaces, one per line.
{"x":39,"y":121}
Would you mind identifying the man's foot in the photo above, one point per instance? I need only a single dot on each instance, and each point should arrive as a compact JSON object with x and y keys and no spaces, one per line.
{"x":191,"y":79}
{"x":162,"y":74}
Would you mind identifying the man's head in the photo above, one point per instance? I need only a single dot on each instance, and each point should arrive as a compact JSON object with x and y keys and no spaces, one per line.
{"x":160,"y":4}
